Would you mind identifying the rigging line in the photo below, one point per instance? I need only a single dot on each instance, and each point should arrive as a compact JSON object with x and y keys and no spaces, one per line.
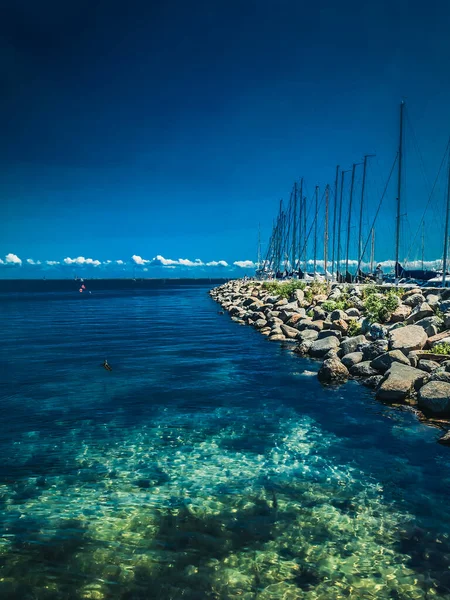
{"x":430,"y":197}
{"x":312,"y":224}
{"x":378,"y":209}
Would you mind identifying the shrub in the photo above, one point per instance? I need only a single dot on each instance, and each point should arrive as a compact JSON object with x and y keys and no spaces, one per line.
{"x":284,"y":289}
{"x":443,"y":348}
{"x":354,"y":328}
{"x":378,"y":308}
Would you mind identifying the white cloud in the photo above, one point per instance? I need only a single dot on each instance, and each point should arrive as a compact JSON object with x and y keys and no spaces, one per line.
{"x":185,"y":262}
{"x":119,"y":262}
{"x":244,"y":264}
{"x":80,"y":260}
{"x":52,"y":263}
{"x":217,"y":263}
{"x":30,"y":261}
{"x":13,"y":259}
{"x":139,"y":260}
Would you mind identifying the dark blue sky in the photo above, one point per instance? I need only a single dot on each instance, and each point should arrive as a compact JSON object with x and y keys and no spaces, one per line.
{"x":172,"y":128}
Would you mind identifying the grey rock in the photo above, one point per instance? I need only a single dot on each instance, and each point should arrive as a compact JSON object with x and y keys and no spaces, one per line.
{"x":399,"y":382}
{"x":274,"y":321}
{"x":371,"y":351}
{"x":328,"y":332}
{"x":420,"y":312}
{"x":445,"y":340}
{"x":332,"y":371}
{"x":319,"y":314}
{"x":320,"y":347}
{"x":317,"y":325}
{"x":440,"y":374}
{"x":289,"y":332}
{"x":373,"y":381}
{"x":299,"y":295}
{"x":276,"y":337}
{"x":427,"y":365}
{"x":445,"y":439}
{"x":260,"y":323}
{"x":296,"y":318}
{"x":303,"y":348}
{"x":303,"y":324}
{"x":308,"y":335}
{"x":349,"y":360}
{"x":363,"y":369}
{"x":400,"y":314}
{"x":433,"y":300}
{"x":383,"y":362}
{"x":281,"y":303}
{"x":377,"y":331}
{"x":411,"y":337}
{"x":413,"y":300}
{"x":435,"y":397}
{"x":337,"y":315}
{"x":352,"y":312}
{"x":334,"y":352}
{"x":431,"y":325}
{"x":272,"y":299}
{"x":351,"y":344}
{"x":285,"y":315}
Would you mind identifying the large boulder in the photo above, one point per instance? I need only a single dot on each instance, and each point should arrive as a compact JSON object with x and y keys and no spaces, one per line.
{"x":372,"y":382}
{"x":320,"y":347}
{"x":363,"y":369}
{"x":303,"y":324}
{"x":411,"y":337}
{"x":351,"y":344}
{"x":431,"y":325}
{"x":400,"y":314}
{"x":260,"y":324}
{"x":435,"y":397}
{"x":319,"y":314}
{"x":332,"y":371}
{"x":374,"y":349}
{"x":427,"y":365}
{"x":337,"y":315}
{"x":349,"y":360}
{"x":433,"y":300}
{"x":289,"y":332}
{"x":276,"y":337}
{"x":413,"y":299}
{"x":299,"y":295}
{"x":399,"y":382}
{"x":353,"y":312}
{"x":440,"y":374}
{"x":295,"y":318}
{"x":383,"y":362}
{"x":437,"y":338}
{"x":308,"y":335}
{"x":420,"y":312}
{"x":327,"y":332}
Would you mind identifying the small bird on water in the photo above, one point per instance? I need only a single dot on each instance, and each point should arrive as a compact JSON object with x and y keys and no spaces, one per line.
{"x":107,"y":366}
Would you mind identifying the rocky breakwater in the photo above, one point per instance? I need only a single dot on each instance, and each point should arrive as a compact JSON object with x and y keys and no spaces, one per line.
{"x":396,"y":341}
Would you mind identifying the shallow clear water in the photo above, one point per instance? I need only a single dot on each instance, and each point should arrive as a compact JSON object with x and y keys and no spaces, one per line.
{"x":209,"y":463}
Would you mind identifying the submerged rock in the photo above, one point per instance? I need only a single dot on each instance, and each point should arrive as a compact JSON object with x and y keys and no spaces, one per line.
{"x":332,"y":371}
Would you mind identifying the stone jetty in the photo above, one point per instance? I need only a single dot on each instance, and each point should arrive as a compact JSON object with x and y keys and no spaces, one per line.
{"x":394,"y":340}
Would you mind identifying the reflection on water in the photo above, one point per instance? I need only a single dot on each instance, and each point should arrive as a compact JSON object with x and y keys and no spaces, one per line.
{"x":210,"y":464}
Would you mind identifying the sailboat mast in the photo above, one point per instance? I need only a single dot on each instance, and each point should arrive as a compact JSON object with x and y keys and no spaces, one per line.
{"x":294,"y":229}
{"x":336,"y":183}
{"x":305,"y":237}
{"x":349,"y":217}
{"x":444,"y":261}
{"x":325,"y":250}
{"x":300,"y":221}
{"x":363,"y":189}
{"x":423,"y":243}
{"x":372,"y":251}
{"x":340,"y":225}
{"x":315,"y":229}
{"x":399,"y":192}
{"x":259,"y":246}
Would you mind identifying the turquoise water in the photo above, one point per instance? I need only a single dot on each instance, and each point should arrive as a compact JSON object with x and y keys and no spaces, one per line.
{"x":209,"y":463}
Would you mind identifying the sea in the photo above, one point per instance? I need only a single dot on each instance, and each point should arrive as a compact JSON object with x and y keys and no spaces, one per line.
{"x":209,"y":463}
